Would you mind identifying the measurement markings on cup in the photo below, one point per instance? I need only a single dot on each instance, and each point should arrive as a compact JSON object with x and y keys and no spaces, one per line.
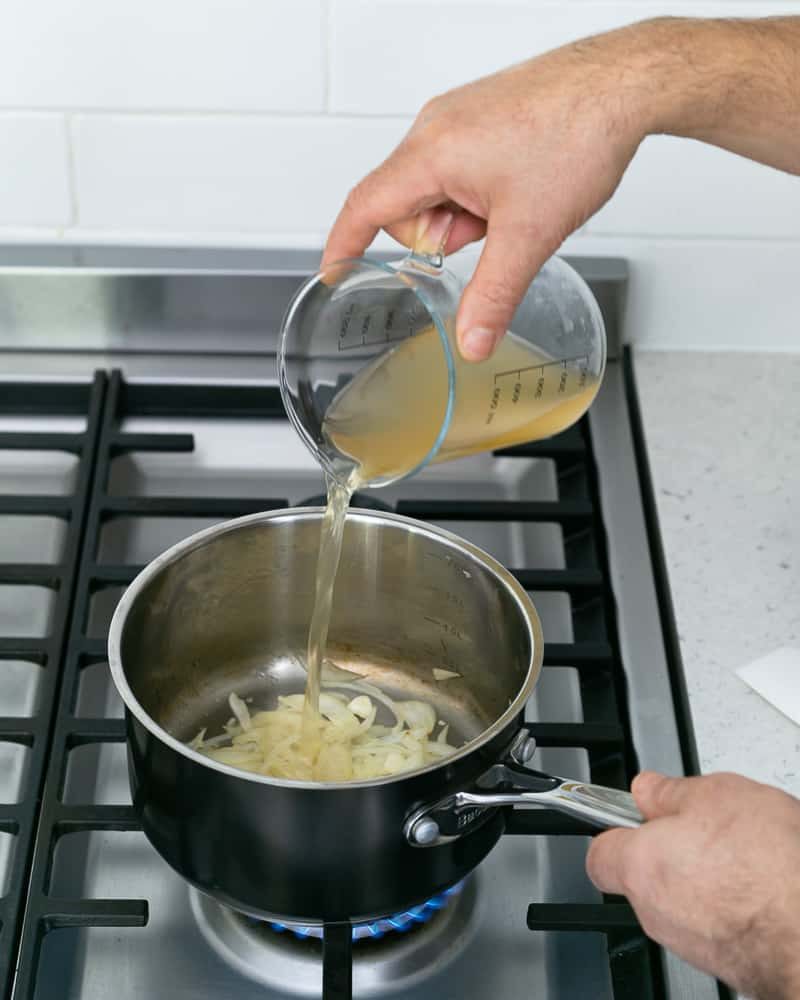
{"x":516,"y":392}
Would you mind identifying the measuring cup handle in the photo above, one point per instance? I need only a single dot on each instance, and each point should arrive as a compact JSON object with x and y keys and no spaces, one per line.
{"x":433,"y":230}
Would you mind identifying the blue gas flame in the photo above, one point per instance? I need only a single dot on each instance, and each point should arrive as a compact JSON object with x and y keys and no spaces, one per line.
{"x":400,"y":922}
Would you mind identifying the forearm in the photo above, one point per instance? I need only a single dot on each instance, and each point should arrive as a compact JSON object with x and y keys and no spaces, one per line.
{"x":733,"y":83}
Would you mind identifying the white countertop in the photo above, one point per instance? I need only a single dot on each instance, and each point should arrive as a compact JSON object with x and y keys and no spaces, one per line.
{"x":723,"y":435}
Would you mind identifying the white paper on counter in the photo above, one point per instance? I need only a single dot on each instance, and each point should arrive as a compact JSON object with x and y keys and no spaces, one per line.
{"x":776,"y":677}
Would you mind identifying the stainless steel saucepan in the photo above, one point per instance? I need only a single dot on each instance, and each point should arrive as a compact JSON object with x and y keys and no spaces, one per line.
{"x":228,"y":610}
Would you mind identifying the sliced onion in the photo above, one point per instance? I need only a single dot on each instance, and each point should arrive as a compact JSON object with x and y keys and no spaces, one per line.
{"x":444,"y":675}
{"x":240,"y":710}
{"x":361,"y":706}
{"x":343,"y":743}
{"x":417,"y":715}
{"x":198,"y":741}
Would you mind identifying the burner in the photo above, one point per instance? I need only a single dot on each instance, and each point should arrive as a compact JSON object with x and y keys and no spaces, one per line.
{"x":363,"y":500}
{"x":291,"y":961}
{"x":401,"y":922}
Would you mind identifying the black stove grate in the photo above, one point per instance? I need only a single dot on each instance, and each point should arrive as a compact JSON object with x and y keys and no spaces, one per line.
{"x":44,"y":655}
{"x":44,"y":913}
{"x":634,"y":961}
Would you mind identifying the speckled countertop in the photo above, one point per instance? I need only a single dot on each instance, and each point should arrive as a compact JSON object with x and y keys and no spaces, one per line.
{"x":723,"y":435}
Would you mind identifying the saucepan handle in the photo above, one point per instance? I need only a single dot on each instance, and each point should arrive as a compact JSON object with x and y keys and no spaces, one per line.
{"x":510,"y":784}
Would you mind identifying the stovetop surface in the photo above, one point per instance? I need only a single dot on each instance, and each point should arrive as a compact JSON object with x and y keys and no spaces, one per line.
{"x":98,"y":477}
{"x":501,"y":955}
{"x":157,"y":497}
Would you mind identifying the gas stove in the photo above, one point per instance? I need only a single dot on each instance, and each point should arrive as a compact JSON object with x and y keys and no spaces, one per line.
{"x":137,"y":405}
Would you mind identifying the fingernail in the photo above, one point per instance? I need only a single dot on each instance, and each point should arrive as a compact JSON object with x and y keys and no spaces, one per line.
{"x":433,"y":229}
{"x":477,"y":343}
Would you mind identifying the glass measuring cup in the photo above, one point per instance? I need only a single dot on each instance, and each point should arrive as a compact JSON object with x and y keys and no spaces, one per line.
{"x":373,"y":381}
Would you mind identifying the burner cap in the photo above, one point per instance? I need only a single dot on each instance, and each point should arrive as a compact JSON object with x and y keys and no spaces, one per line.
{"x":388,"y":963}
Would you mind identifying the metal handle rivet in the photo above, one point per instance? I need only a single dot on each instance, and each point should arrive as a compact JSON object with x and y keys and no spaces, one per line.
{"x":425,"y":831}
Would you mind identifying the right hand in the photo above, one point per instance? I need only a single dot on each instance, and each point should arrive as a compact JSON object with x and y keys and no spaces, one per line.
{"x":523,"y":157}
{"x":713,"y":875}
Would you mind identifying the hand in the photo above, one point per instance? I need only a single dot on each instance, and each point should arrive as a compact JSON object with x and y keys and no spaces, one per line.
{"x":714,"y":875}
{"x":523,"y":157}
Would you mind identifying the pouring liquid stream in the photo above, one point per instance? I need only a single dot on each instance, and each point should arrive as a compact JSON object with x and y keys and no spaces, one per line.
{"x":330,"y":550}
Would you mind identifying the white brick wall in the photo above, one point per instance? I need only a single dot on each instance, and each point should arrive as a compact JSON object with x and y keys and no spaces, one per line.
{"x":678,"y":187}
{"x":204,"y":174}
{"x":156,"y":55}
{"x":707,"y":294}
{"x":34,"y":188}
{"x":224,"y":122}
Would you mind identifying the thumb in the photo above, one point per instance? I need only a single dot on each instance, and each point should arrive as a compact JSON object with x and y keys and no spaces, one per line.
{"x":607,"y":858}
{"x":504,"y":272}
{"x":657,"y":795}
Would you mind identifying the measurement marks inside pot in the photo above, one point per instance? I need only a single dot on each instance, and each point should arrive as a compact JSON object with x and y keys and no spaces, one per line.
{"x":448,"y":628}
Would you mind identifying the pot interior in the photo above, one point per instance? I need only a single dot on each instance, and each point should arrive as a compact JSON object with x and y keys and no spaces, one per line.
{"x":229,"y":611}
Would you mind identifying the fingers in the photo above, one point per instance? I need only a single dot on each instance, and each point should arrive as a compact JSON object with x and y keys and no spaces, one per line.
{"x":657,"y":795}
{"x":399,"y":189}
{"x":466,"y":228}
{"x":506,"y":268}
{"x":607,"y":857}
{"x":433,"y":230}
